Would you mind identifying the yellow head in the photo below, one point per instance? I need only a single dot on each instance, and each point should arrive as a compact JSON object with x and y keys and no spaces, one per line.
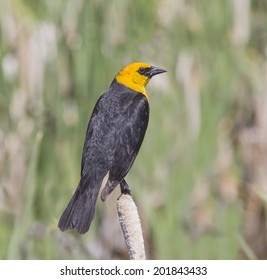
{"x":136,"y":76}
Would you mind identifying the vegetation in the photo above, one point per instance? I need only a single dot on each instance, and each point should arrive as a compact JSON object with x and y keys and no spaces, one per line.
{"x":200,"y":172}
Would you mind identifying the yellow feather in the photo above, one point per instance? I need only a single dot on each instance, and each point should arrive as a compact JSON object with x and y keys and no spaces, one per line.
{"x":130,"y":77}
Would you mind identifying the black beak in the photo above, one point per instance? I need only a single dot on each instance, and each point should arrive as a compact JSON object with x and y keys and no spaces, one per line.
{"x":155,"y":71}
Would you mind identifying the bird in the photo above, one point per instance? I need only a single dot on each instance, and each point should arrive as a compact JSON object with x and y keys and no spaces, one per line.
{"x":113,"y":138}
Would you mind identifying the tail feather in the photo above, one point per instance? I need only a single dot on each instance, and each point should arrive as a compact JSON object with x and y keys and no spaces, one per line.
{"x":80,"y":211}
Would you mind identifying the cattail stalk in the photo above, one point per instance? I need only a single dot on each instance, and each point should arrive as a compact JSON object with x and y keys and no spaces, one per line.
{"x":131,"y":227}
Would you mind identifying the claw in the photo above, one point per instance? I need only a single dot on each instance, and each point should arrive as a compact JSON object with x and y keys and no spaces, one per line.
{"x":125,"y":189}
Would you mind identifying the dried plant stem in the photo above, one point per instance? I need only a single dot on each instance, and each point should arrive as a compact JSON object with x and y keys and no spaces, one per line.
{"x":131,"y":227}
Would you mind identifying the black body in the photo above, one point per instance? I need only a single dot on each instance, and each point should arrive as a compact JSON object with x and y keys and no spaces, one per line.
{"x":114,"y":135}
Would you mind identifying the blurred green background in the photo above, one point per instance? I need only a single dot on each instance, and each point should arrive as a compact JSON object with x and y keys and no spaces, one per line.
{"x":200,"y":179}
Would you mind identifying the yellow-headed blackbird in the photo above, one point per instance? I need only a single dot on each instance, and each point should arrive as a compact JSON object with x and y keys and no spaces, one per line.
{"x":113,"y":138}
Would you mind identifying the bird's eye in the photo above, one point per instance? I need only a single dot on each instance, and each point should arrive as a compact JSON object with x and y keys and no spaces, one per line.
{"x":142,"y":70}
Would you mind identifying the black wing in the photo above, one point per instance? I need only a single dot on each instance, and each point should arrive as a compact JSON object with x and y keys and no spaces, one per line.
{"x":100,"y":141}
{"x":131,"y":134}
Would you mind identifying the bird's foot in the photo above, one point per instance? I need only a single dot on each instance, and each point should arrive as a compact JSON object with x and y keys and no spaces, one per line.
{"x":125,"y":189}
